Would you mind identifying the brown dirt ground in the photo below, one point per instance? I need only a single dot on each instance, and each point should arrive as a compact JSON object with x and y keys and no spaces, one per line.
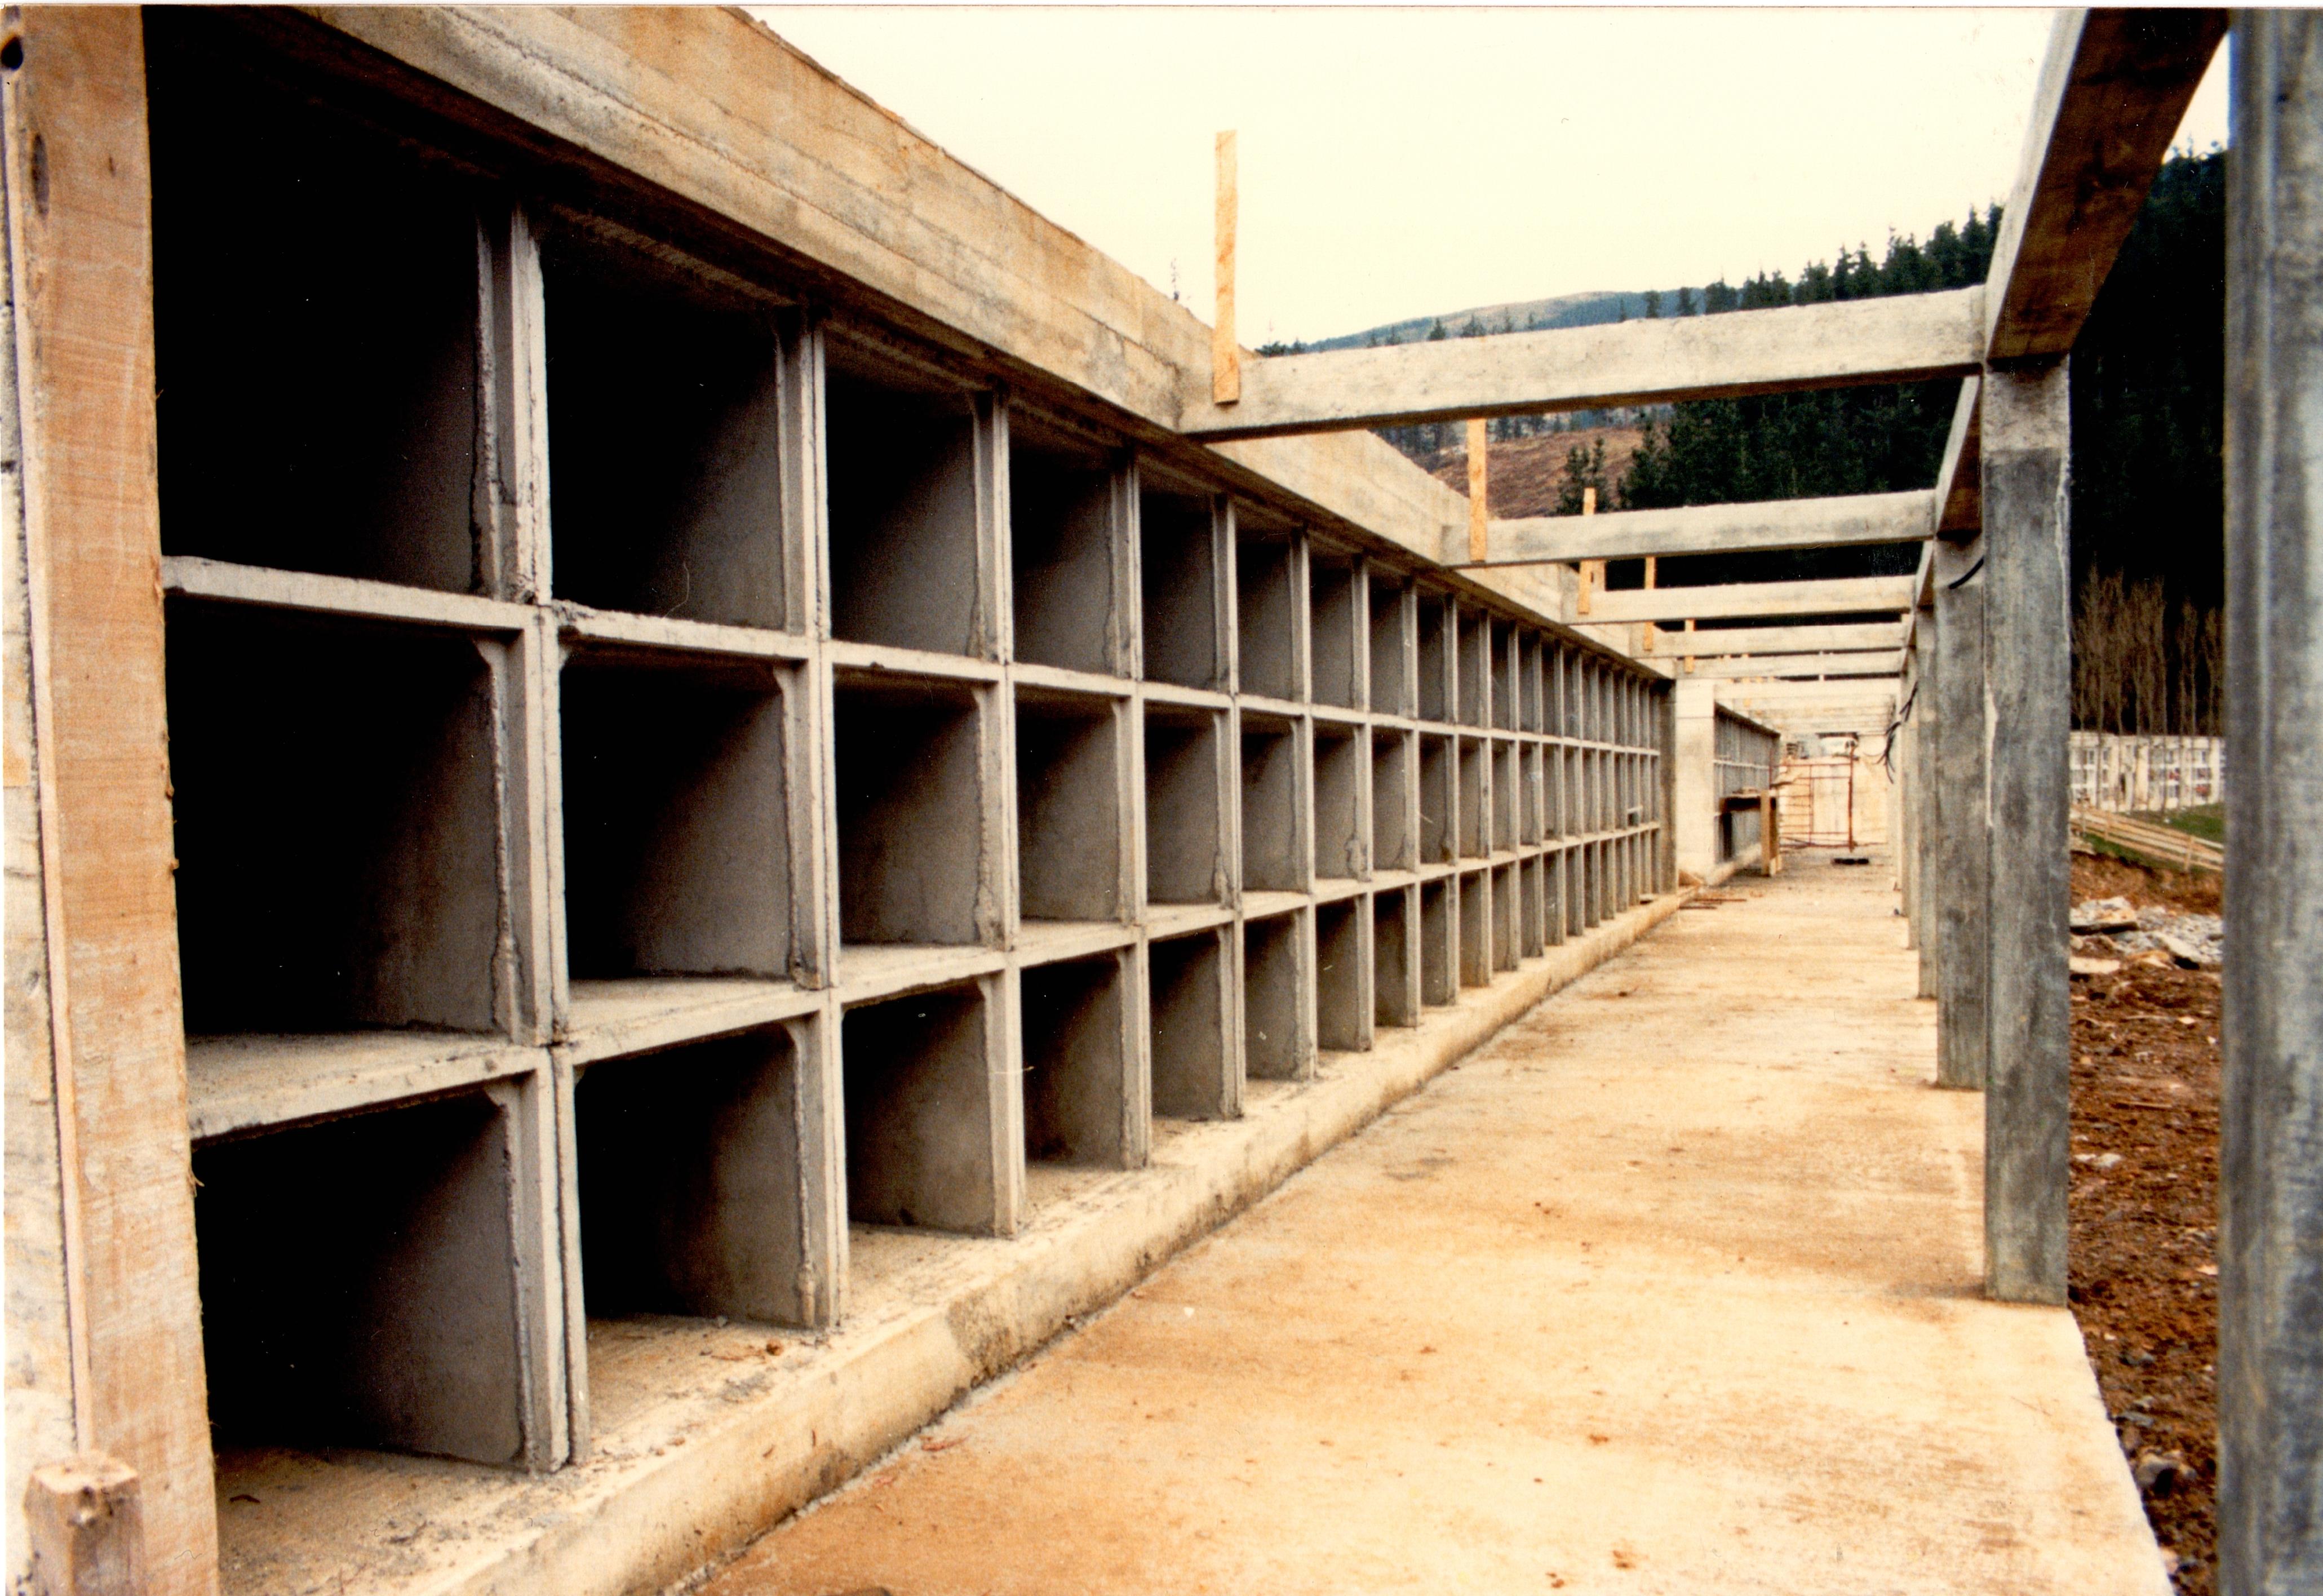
{"x":1526,"y":473}
{"x":2143,"y":1236}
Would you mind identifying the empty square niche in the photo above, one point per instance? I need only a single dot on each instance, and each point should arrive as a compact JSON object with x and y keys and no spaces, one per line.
{"x":1438,"y":801}
{"x":358,"y":1284}
{"x":1272,"y":839}
{"x":338,"y":823}
{"x":1277,"y":1041}
{"x":1501,"y":640}
{"x":909,"y":506}
{"x":693,"y":1189}
{"x":315,"y":320}
{"x":909,"y":780}
{"x":1269,"y":599}
{"x":677,"y":857}
{"x":1343,"y":975}
{"x":1395,"y":950}
{"x":1439,"y":941}
{"x":1505,"y":926}
{"x":1342,"y":846}
{"x":664,"y":438}
{"x":1067,"y":525}
{"x":923,"y":1144}
{"x":1186,"y":833}
{"x":1080,"y":1077}
{"x":1181,"y":584}
{"x":1392,"y":756}
{"x":1533,"y":878}
{"x":1504,"y":794}
{"x":1190,"y":1016}
{"x":1391,"y":676}
{"x":1434,"y":655}
{"x":1474,"y":666}
{"x":1338,"y":630}
{"x":1529,"y":663}
{"x":1474,"y":774}
{"x":1476,"y":927}
{"x":1072,"y":822}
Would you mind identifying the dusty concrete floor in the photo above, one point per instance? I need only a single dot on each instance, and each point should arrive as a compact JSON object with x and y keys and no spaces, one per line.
{"x":1671,"y":1289}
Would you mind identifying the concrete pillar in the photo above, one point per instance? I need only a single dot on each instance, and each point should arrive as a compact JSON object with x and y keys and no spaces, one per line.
{"x":1927,"y":929}
{"x":1902,"y":832}
{"x":1960,"y":865}
{"x":2271,"y":1238}
{"x":1694,"y":776}
{"x":2028,"y":684}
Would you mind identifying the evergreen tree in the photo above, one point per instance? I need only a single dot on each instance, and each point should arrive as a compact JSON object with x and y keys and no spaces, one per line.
{"x":1653,"y":304}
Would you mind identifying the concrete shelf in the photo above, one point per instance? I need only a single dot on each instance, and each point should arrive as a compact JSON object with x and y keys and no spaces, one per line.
{"x":1275,"y":853}
{"x":928,"y":1141}
{"x":236,"y":1085}
{"x":1439,"y":798}
{"x":665,"y":444}
{"x":867,"y":973}
{"x":676,"y":846}
{"x":912,"y":540}
{"x":1395,"y":956}
{"x":639,"y":1012}
{"x":1394,"y":845}
{"x":1183,"y":543}
{"x":1391,"y":658}
{"x":338,"y":826}
{"x":1264,"y":905}
{"x":316,"y":330}
{"x":914,"y":781}
{"x":1048,"y":941}
{"x":1271,"y":604}
{"x":1338,"y":630}
{"x":1278,"y":1019}
{"x":1333,"y":890}
{"x":1342,"y":837}
{"x":1195,"y":1016}
{"x":1073,"y":816}
{"x":1163,"y":921}
{"x":1086,"y":1096}
{"x":1343,"y":975}
{"x":1069,"y":553}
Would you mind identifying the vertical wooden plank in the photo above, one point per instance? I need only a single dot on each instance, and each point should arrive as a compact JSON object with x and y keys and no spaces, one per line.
{"x":80,"y":260}
{"x":2270,"y":1239}
{"x":2028,"y":682}
{"x":1226,"y":355}
{"x":1962,"y":861}
{"x":1480,"y":536}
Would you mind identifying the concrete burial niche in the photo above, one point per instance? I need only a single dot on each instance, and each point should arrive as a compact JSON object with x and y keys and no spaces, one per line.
{"x":923,"y":1146}
{"x":336,"y":822}
{"x":907,"y":475}
{"x":1439,"y":939}
{"x":1338,"y":630}
{"x":1072,"y":827}
{"x":1342,"y":851}
{"x":1501,"y":639}
{"x":692,"y":1188}
{"x":316,"y":329}
{"x":1390,"y":619}
{"x":1528,"y":680}
{"x":1395,"y":948}
{"x":1507,"y":929}
{"x":1269,"y":598}
{"x":1192,"y":1015}
{"x":1504,"y":794}
{"x":1475,"y":841}
{"x":1181,"y":589}
{"x":1439,"y":800}
{"x":1186,"y":852}
{"x":1066,"y":553}
{"x":1532,"y":793}
{"x":1080,"y":1077}
{"x":1271,"y":832}
{"x":1343,"y":975}
{"x":1435,"y":655}
{"x":1278,"y":1040}
{"x":1475,"y":647}
{"x":1532,"y":877}
{"x":1476,"y":927}
{"x":1393,"y":843}
{"x":358,"y":1287}
{"x":664,"y":437}
{"x":908,"y":782}
{"x":676,"y":849}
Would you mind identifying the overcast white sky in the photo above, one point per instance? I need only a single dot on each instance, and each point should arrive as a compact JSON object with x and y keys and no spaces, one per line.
{"x":1400,"y":162}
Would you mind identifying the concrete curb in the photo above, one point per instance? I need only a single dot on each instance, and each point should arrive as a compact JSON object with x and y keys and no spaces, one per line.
{"x":660,"y":1511}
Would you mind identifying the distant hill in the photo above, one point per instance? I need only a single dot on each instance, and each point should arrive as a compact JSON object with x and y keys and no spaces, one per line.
{"x":1566,"y":310}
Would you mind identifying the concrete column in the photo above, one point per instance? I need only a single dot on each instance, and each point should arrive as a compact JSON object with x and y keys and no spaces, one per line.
{"x":2026,"y":706}
{"x":1927,"y":927}
{"x":2271,"y":1168}
{"x":1694,"y":776}
{"x":1959,"y":864}
{"x":1905,"y":836}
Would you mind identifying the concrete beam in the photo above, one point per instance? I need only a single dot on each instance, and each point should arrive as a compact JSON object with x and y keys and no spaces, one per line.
{"x":1746,"y":667}
{"x":2027,"y":627}
{"x":1904,"y":338}
{"x":1872,"y":637}
{"x":1852,"y":595}
{"x":2113,"y":90}
{"x":2269,"y":1287}
{"x":1844,"y":522}
{"x":1959,"y":493}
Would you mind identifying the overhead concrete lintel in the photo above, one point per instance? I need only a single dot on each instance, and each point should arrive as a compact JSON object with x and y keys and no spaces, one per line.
{"x":1907,"y":337}
{"x":1870,"y":637}
{"x":1959,"y":496}
{"x":1852,"y":595}
{"x":1779,"y":666}
{"x":1842,"y":522}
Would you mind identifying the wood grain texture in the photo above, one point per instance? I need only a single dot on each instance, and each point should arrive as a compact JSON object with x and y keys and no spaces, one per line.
{"x":1838,"y":522}
{"x":1226,"y":359}
{"x":79,"y":205}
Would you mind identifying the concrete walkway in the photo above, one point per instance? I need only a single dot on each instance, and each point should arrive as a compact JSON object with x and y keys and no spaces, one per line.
{"x":1672,"y":1287}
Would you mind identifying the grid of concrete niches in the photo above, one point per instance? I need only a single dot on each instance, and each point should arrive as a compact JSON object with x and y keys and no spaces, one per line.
{"x":668,"y":807}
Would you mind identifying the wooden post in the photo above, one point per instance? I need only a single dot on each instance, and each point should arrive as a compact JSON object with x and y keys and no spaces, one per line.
{"x":1479,"y":513}
{"x":1689,"y":648}
{"x":2028,"y":702}
{"x":1592,"y":571}
{"x":1962,"y":857}
{"x":87,"y":1528}
{"x":1770,"y":835}
{"x":1649,"y":570}
{"x":1226,"y":355}
{"x":2271,"y":1236}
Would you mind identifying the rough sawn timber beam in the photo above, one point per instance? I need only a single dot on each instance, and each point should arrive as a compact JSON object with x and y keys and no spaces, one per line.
{"x":1852,"y":595}
{"x":1780,"y":665}
{"x":1900,"y":339}
{"x":2113,"y":90}
{"x":1843,"y":522}
{"x":1868,"y":636}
